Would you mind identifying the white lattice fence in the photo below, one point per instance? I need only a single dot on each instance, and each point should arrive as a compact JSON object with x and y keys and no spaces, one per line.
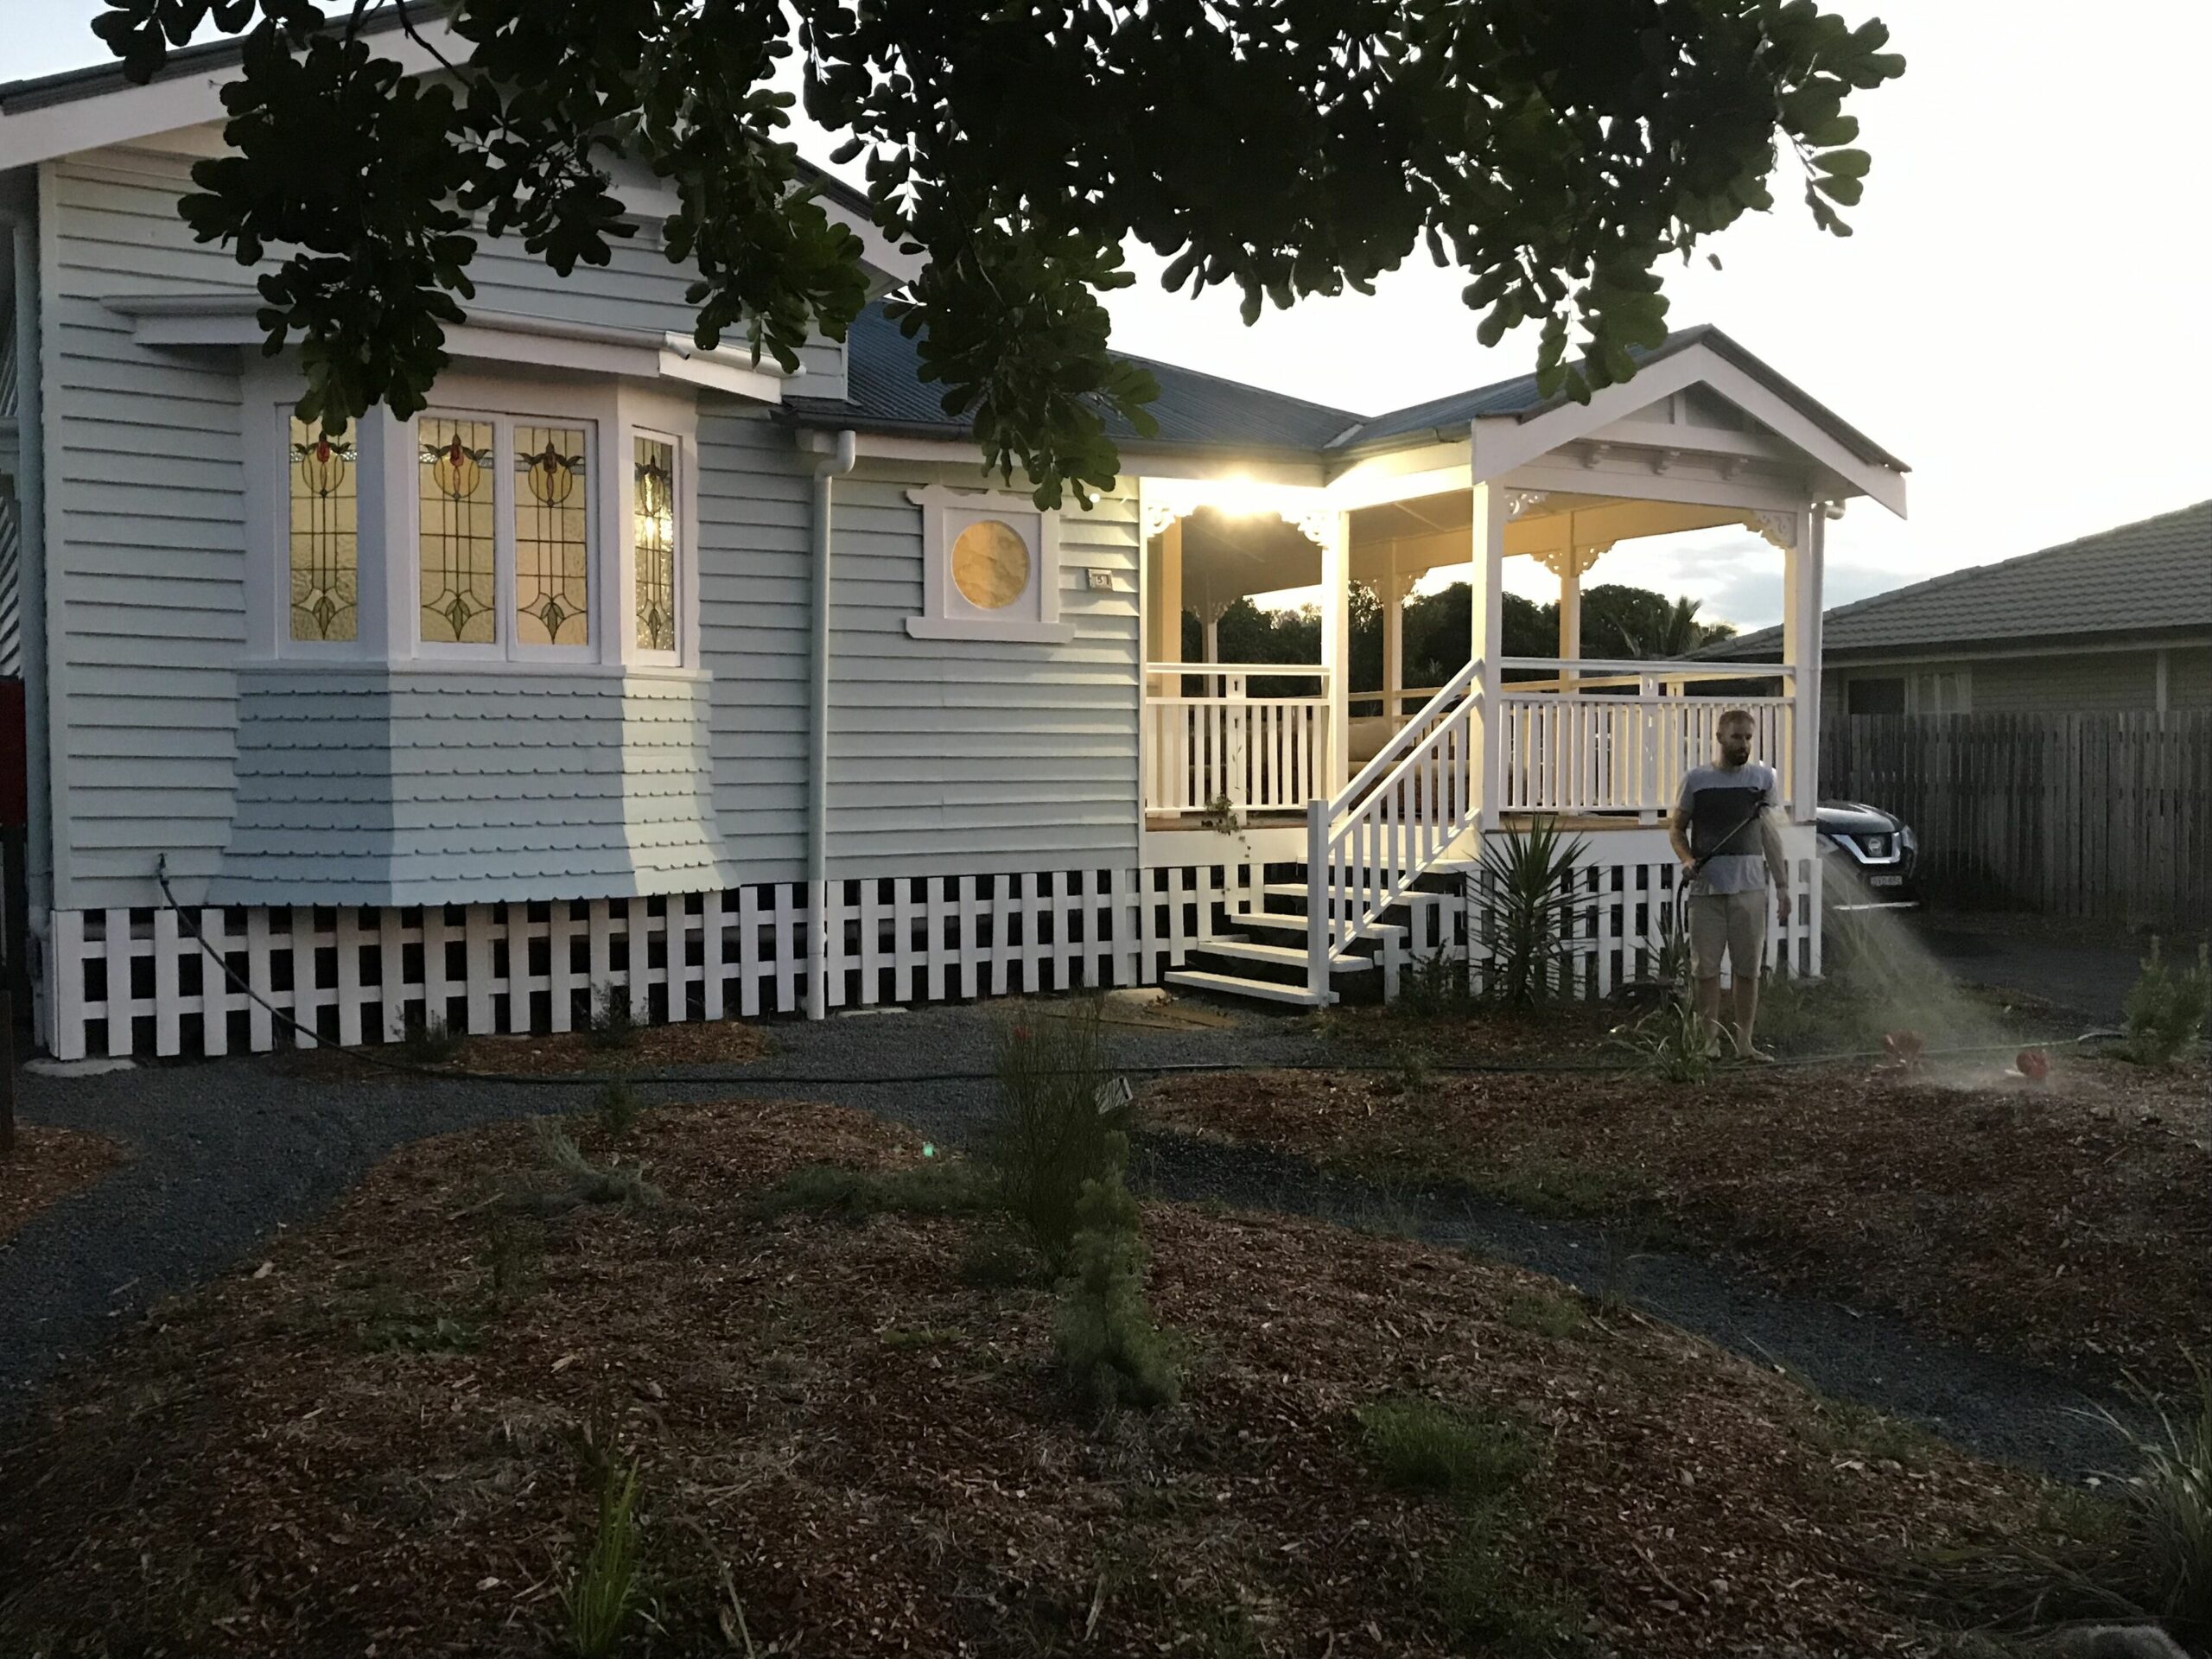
{"x":1624,"y":911}
{"x":124,"y":981}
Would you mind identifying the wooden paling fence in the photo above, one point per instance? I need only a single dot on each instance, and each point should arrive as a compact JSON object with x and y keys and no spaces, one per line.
{"x":2105,"y":816}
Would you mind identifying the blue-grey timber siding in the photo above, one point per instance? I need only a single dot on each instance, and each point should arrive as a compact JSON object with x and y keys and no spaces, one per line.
{"x":408,"y":787}
{"x":262,"y":786}
{"x":947,"y":758}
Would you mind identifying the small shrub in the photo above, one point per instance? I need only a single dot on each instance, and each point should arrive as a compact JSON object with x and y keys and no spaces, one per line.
{"x":1420,"y":1446}
{"x":1104,"y":1333}
{"x":1485,"y":1606}
{"x":1435,"y":987}
{"x":613,"y":1025}
{"x":1554,"y":1313}
{"x":937,"y":1188}
{"x":2166,"y":1012}
{"x":618,"y":1107}
{"x":905,"y":1339}
{"x":512,"y":1251}
{"x":425,"y":1041}
{"x":1057,"y":1126}
{"x":1527,"y":899}
{"x":603,"y":1593}
{"x":587,"y":1182}
{"x":2166,"y":1503}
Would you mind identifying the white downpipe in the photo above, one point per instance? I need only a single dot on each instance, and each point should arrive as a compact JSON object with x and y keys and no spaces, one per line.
{"x":33,"y":620}
{"x":826,"y":469}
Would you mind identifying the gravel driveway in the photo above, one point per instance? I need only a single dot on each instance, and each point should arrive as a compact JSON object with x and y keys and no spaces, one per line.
{"x":224,"y":1152}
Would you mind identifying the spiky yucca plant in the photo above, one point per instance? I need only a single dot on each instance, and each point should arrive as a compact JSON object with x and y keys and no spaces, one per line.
{"x":1528,"y":904}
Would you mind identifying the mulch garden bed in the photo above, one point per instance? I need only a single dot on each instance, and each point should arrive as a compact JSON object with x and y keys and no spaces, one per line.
{"x":641,"y":1048}
{"x":48,"y":1165}
{"x":2069,"y":1224}
{"x":371,"y":1442}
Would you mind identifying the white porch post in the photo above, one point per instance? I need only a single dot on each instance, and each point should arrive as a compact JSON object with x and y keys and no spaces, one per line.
{"x":1336,"y":642}
{"x":1803,"y":543}
{"x":1163,"y":609}
{"x":1570,"y":614}
{"x":1487,"y":641}
{"x":1392,"y":590}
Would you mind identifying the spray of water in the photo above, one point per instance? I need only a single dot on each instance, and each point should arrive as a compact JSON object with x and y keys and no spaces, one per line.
{"x":1883,"y":990}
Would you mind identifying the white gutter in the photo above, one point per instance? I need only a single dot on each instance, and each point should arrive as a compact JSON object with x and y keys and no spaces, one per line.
{"x":826,"y":468}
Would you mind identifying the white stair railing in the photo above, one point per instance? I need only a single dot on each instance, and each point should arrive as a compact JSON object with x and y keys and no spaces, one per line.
{"x":1365,"y":849}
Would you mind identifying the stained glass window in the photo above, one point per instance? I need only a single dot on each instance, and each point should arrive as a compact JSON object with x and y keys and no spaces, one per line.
{"x":655,"y":486}
{"x":459,"y":576}
{"x":324,"y":549}
{"x":552,"y":537}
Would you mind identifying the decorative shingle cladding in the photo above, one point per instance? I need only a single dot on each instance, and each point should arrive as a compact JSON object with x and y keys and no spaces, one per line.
{"x":415,"y":788}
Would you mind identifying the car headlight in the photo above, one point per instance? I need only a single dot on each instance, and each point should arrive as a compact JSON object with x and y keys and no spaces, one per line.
{"x":1907,"y":840}
{"x":1825,"y":840}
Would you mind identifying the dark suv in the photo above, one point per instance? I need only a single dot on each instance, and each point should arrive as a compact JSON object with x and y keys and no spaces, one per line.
{"x":1867,"y":858}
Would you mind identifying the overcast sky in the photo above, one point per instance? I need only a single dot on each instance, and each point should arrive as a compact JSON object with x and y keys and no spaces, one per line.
{"x":2022,"y":316}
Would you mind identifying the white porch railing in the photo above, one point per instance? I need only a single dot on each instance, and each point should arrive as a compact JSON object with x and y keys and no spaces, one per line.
{"x":1623,"y":739}
{"x":1367,"y":846}
{"x":1259,"y":754}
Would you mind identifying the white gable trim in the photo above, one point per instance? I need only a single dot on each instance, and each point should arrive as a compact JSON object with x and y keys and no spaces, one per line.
{"x":1503,"y":443}
{"x":185,"y":322}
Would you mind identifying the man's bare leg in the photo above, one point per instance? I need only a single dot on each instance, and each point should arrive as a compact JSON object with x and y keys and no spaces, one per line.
{"x":1743,"y":992}
{"x":1708,"y":1008}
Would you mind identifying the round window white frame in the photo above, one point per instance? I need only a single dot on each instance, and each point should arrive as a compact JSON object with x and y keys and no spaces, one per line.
{"x":947,"y":613}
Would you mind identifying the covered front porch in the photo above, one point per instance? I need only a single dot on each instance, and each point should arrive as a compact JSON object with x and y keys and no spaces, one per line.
{"x":1600,"y":741}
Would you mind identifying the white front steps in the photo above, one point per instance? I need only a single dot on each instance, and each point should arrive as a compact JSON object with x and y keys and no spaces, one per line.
{"x":1263,"y":954}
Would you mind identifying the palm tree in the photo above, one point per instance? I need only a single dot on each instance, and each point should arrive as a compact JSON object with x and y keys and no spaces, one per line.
{"x":1678,"y":634}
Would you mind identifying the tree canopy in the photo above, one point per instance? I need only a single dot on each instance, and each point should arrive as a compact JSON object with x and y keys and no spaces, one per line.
{"x":1619,"y":622}
{"x":1555,"y":152}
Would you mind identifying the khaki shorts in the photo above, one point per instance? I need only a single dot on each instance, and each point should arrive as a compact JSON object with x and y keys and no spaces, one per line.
{"x":1731,"y":922}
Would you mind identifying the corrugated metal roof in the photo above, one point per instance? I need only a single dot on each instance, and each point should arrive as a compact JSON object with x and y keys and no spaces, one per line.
{"x":2152,"y":575}
{"x":884,"y":390}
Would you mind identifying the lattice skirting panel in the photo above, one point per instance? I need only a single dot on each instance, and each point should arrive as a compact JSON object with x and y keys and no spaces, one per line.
{"x":1623,"y":919}
{"x":135,"y":981}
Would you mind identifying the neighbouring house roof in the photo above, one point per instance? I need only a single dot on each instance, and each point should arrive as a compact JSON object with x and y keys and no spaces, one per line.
{"x":2154,"y":575}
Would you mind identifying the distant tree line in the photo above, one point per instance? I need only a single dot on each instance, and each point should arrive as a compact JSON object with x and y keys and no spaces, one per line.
{"x":1617,"y":621}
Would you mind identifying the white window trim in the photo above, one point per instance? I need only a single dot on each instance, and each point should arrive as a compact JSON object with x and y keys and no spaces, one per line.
{"x":937,"y":620}
{"x":682,"y":589}
{"x":388,"y":632}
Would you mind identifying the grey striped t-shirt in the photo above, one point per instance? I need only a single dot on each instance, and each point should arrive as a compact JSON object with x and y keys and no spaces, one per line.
{"x":1716,"y":801}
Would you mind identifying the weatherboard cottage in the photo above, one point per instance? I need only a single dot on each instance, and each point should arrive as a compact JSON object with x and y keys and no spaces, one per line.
{"x":632,"y":669}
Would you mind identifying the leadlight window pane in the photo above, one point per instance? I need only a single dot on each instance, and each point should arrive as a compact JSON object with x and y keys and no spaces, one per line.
{"x":460,"y":563}
{"x":655,"y":482}
{"x":552,"y":537}
{"x":324,"y":548}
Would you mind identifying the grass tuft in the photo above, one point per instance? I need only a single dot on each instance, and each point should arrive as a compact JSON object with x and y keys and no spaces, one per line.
{"x":1490,"y":1610}
{"x":603,"y":1594}
{"x":1556,"y":1313}
{"x":2166,"y":1503}
{"x":1420,"y":1446}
